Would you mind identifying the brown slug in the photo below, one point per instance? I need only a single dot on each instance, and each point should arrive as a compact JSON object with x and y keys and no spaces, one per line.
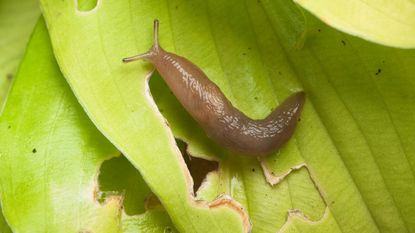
{"x":214,"y":112}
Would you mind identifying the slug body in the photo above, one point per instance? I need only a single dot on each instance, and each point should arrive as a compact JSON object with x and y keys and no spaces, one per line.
{"x":214,"y":112}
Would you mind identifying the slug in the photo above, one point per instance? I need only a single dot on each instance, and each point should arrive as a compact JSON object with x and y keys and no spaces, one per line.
{"x":215,"y":113}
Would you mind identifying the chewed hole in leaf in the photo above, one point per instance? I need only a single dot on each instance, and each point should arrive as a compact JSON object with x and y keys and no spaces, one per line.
{"x":119,"y":177}
{"x":174,"y":112}
{"x":198,"y":167}
{"x":86,"y":5}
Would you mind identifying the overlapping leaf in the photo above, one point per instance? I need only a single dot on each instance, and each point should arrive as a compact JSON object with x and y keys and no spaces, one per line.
{"x":17,"y":19}
{"x":353,"y":147}
{"x":50,"y":156}
{"x":386,"y":22}
{"x":4,"y":227}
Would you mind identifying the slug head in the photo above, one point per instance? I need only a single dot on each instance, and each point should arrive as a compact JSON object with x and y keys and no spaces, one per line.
{"x":153,"y":52}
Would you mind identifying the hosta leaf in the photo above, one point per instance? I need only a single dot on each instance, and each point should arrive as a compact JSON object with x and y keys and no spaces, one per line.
{"x":387,"y":22}
{"x":50,"y":154}
{"x":117,"y":101}
{"x":353,"y":149}
{"x":17,"y":19}
{"x":356,"y":138}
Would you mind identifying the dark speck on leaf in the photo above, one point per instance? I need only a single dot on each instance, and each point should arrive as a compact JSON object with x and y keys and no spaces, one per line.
{"x":344,"y":42}
{"x":253,"y":169}
{"x":256,"y":98}
{"x":378,"y":72}
{"x":9,"y":76}
{"x":177,"y":7}
{"x":249,"y":48}
{"x":299,"y":119}
{"x":258,"y":1}
{"x":34,"y":150}
{"x":279,"y":72}
{"x":272,"y":173}
{"x":9,"y":127}
{"x":319,"y":30}
{"x":244,"y":54}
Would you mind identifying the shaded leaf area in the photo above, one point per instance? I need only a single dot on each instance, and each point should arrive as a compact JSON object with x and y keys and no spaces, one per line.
{"x":50,"y":155}
{"x":17,"y":19}
{"x":354,"y":141}
{"x":387,"y":22}
{"x":4,"y":227}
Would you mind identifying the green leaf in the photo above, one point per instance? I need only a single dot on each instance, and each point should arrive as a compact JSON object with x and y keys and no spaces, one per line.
{"x":156,"y":221}
{"x":50,"y":154}
{"x":117,"y":101}
{"x":390,"y":23}
{"x":17,"y":19}
{"x":349,"y":167}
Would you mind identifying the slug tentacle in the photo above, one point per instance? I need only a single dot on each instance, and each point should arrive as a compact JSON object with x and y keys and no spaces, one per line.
{"x":215,"y":113}
{"x":154,"y":49}
{"x":146,"y":56}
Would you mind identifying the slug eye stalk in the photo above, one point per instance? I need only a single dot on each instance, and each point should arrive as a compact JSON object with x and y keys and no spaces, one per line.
{"x":154,"y":49}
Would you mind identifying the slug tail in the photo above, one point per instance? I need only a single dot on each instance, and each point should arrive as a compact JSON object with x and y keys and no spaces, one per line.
{"x":291,"y":107}
{"x":152,"y":52}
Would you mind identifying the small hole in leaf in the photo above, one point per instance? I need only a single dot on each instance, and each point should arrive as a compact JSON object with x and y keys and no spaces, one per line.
{"x":87,"y":5}
{"x":118,"y":176}
{"x":168,"y":230}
